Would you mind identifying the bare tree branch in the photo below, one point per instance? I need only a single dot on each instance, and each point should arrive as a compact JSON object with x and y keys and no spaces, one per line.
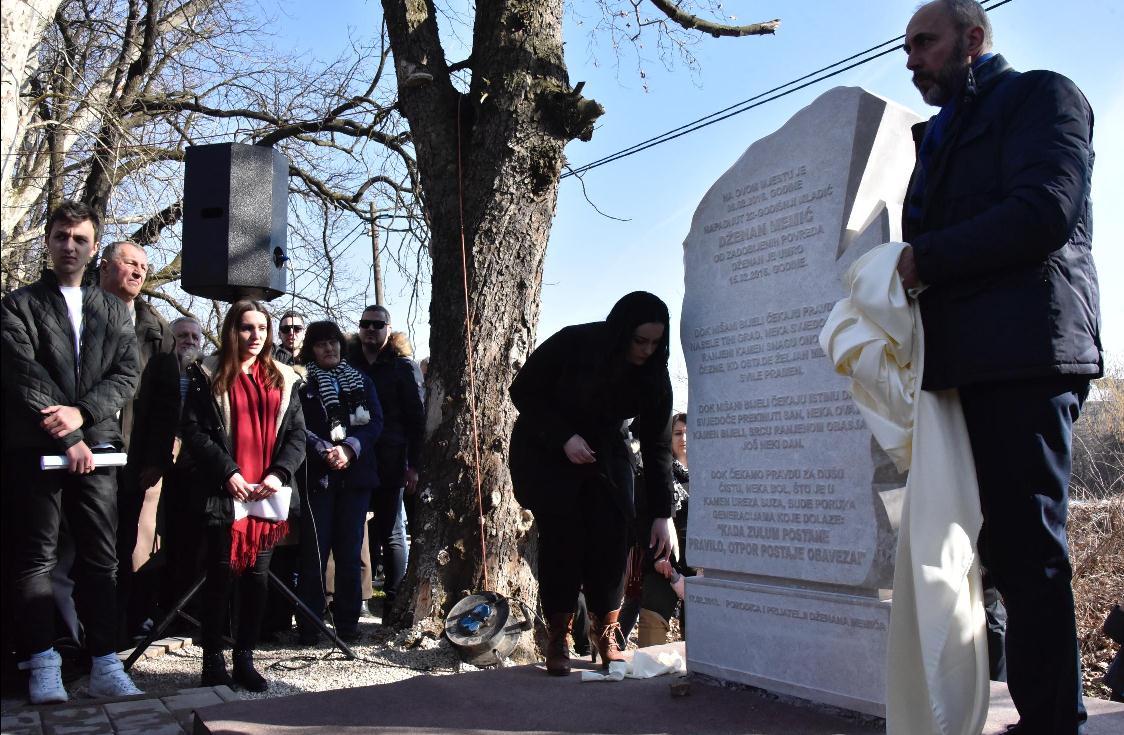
{"x":693,"y":22}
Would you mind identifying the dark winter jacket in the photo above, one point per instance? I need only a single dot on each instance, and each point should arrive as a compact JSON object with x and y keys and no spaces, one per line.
{"x":1004,"y":235}
{"x":398,"y":382}
{"x":40,"y":369}
{"x":362,"y":473}
{"x":567,"y":387}
{"x":206,"y":435}
{"x":149,"y":420}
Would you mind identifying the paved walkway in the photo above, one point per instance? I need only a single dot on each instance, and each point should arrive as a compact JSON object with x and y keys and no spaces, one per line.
{"x":168,"y":714}
{"x":146,"y":714}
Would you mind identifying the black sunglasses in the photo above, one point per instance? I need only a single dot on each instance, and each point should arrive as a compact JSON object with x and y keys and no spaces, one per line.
{"x":287,"y":328}
{"x":371,"y":324}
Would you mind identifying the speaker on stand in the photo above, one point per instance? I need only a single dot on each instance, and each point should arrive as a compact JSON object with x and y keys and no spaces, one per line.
{"x":235,"y":214}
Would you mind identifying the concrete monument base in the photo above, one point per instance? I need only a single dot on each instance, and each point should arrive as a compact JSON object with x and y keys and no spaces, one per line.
{"x":779,"y":638}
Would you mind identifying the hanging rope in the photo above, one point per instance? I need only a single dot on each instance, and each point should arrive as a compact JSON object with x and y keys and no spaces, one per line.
{"x":468,"y":347}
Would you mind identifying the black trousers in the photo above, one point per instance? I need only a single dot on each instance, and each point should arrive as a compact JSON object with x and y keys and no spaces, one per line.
{"x":35,"y":502}
{"x":584,"y":549}
{"x":386,"y":542}
{"x":1021,"y":435}
{"x":132,"y":598}
{"x":253,"y":589}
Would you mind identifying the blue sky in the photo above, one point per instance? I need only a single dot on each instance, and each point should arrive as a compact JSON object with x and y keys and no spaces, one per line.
{"x":593,"y":260}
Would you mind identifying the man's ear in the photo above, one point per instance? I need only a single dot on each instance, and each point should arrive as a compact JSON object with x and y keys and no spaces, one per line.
{"x":975,"y":37}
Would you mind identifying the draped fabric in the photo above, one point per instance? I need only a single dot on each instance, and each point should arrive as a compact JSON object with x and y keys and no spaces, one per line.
{"x":937,"y":675}
{"x":254,"y":409}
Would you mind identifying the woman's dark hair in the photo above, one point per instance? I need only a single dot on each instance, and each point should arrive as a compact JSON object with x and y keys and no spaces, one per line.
{"x":319,"y":332}
{"x":229,"y":364}
{"x":678,"y":418}
{"x":632,"y":310}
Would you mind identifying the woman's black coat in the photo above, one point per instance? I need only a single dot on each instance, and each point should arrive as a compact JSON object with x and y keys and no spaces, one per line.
{"x":206,"y":435}
{"x":363,"y":473}
{"x":567,"y":387}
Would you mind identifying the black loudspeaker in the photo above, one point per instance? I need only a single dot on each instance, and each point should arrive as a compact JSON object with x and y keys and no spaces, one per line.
{"x":235,"y":212}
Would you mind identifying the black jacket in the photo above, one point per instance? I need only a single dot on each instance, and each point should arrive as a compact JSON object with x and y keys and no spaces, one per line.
{"x":1005,"y":232}
{"x":566,"y":388}
{"x":148,"y":421}
{"x":40,"y":369}
{"x":206,"y":435}
{"x":398,"y":382}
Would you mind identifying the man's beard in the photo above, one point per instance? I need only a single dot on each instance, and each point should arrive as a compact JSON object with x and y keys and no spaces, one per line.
{"x":947,"y":80}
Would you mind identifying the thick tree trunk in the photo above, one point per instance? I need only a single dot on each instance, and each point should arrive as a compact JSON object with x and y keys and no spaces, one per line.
{"x":513,"y":125}
{"x":22,"y":24}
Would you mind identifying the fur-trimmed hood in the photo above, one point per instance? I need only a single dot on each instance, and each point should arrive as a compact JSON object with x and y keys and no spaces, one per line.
{"x":397,"y":345}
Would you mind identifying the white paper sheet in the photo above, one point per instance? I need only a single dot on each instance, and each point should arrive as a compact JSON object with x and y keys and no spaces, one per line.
{"x":273,"y":508}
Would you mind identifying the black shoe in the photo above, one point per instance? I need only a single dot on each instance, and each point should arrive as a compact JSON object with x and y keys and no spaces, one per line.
{"x":214,"y":670}
{"x":350,"y":636}
{"x":246,"y":675}
{"x":308,"y":638}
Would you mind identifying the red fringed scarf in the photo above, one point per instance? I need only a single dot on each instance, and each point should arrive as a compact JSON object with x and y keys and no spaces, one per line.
{"x":253,"y":413}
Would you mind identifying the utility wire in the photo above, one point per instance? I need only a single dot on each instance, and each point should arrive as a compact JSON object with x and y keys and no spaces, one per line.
{"x":754,"y":101}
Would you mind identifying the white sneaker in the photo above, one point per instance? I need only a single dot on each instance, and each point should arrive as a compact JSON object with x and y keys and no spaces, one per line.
{"x":45,"y":682}
{"x":108,"y":679}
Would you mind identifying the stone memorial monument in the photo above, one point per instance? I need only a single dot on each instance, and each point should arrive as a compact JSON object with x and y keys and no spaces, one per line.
{"x":794,"y":508}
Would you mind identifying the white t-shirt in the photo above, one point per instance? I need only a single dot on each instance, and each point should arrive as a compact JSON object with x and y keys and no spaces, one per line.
{"x":73,"y":296}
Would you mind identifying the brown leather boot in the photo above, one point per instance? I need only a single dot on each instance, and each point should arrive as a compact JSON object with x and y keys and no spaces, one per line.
{"x":557,"y":648}
{"x":603,"y":634}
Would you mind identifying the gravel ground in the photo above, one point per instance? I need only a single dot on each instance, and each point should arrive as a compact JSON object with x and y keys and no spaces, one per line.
{"x":384,"y":657}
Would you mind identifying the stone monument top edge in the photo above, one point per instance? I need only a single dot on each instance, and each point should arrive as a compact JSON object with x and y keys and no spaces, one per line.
{"x":835,"y":95}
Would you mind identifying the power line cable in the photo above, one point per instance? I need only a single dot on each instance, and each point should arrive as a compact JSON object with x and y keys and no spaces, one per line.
{"x":754,"y":101}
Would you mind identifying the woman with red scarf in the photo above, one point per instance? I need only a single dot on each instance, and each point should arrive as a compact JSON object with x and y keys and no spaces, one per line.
{"x":243,"y":425}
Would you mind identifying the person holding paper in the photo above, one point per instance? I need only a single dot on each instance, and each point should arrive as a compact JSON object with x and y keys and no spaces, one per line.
{"x":244,"y":427}
{"x":70,"y":365}
{"x":344,"y":420}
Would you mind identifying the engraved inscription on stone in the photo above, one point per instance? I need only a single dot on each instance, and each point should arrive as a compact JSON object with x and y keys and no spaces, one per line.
{"x":787,"y":484}
{"x":787,"y":469}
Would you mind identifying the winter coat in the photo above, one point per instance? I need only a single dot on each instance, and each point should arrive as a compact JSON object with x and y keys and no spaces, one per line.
{"x":206,"y":426}
{"x":362,"y":473}
{"x":564,"y":389}
{"x":40,"y":368}
{"x":398,"y":382}
{"x":1005,"y":231}
{"x":149,"y":420}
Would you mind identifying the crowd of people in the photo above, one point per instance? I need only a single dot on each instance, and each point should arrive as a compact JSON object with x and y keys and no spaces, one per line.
{"x":331,"y":426}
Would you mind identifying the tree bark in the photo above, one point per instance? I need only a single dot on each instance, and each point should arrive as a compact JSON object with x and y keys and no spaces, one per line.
{"x":22,"y":24}
{"x":498,"y":150}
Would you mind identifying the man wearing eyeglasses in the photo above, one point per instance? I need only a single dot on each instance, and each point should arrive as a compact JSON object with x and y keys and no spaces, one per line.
{"x":292,"y":337}
{"x":398,"y":381}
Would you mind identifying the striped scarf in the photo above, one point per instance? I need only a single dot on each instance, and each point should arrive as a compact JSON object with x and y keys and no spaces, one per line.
{"x":343,"y":395}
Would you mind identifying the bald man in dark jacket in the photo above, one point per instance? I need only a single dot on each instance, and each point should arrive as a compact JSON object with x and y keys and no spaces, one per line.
{"x":999,"y":222}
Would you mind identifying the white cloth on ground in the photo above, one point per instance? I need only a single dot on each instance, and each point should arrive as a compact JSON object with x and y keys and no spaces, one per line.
{"x":937,"y":676}
{"x":644,"y":665}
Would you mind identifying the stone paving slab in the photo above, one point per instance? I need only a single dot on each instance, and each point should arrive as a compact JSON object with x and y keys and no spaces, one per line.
{"x":157,"y":648}
{"x":83,"y":720}
{"x":147,"y":714}
{"x":21,"y":723}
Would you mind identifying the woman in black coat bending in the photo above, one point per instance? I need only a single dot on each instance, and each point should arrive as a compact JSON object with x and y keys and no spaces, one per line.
{"x":570,"y":461}
{"x":244,"y":427}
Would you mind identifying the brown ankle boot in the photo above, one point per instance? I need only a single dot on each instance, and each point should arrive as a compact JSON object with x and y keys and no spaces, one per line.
{"x":603,"y":634}
{"x":557,"y":648}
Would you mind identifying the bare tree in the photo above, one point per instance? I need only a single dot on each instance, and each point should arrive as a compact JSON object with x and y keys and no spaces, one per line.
{"x":489,"y":153}
{"x":122,"y":87}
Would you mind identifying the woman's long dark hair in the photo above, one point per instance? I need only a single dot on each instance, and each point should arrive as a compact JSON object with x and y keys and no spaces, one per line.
{"x":229,"y":364}
{"x":632,"y":310}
